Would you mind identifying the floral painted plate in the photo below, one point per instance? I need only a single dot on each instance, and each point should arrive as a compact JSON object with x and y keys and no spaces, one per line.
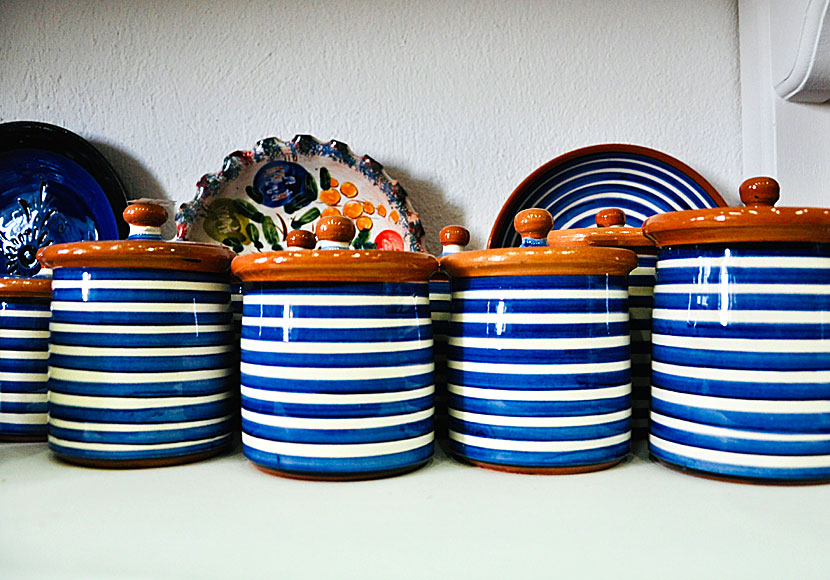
{"x":575,"y":186}
{"x":54,"y":187}
{"x":261,"y":195}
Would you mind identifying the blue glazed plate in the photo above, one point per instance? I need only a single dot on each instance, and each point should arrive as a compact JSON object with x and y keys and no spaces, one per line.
{"x":55,"y":187}
{"x":575,"y":186}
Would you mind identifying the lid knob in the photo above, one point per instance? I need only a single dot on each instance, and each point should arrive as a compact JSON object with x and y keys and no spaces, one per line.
{"x":533,"y":225}
{"x":610,"y":217}
{"x":454,"y":239}
{"x":335,"y":232}
{"x":145,"y":221}
{"x":300,"y":240}
{"x":760,"y":191}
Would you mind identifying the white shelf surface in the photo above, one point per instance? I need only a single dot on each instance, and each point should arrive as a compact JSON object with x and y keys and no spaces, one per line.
{"x":222,"y":518}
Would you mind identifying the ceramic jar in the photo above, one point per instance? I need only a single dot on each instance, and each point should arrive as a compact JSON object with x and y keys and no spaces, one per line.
{"x":141,"y":352}
{"x":611,"y":231}
{"x":24,"y":354}
{"x":741,"y":339}
{"x":337,"y":360}
{"x":539,"y":361}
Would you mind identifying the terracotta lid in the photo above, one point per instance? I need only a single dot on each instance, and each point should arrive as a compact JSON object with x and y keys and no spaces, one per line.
{"x":758,"y":221}
{"x":335,"y":261}
{"x":25,"y":288}
{"x":534,"y":258}
{"x":143,"y":249}
{"x":300,"y":240}
{"x":610,"y":231}
{"x":454,"y":239}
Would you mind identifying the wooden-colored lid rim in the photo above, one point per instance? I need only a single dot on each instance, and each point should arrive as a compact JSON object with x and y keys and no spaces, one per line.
{"x":540,"y":261}
{"x":610,"y":232}
{"x":25,"y":288}
{"x":140,"y":254}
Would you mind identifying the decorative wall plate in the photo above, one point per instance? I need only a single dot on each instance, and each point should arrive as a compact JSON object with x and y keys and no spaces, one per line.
{"x":261,"y":195}
{"x":575,"y":186}
{"x":54,"y":187}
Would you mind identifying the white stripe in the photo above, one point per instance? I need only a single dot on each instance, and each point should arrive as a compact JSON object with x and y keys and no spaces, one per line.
{"x":644,"y":271}
{"x":30,"y":334}
{"x":334,"y":373}
{"x":732,"y":288}
{"x":302,"y":398}
{"x":23,"y":397}
{"x":136,"y":329}
{"x":514,"y":421}
{"x":542,"y":394}
{"x":85,"y":376}
{"x":539,"y":446}
{"x":134,"y":427}
{"x":187,"y":351}
{"x":440,"y":297}
{"x":331,"y":323}
{"x":23,"y":418}
{"x":337,"y":451}
{"x":741,"y":375}
{"x":640,"y":290}
{"x":24,"y":313}
{"x":742,"y":459}
{"x":528,"y":369}
{"x":498,"y":343}
{"x":548,"y":294}
{"x":24,"y":377}
{"x":284,"y":347}
{"x":161,"y":285}
{"x":773,"y":262}
{"x":332,"y":300}
{"x":23,"y":354}
{"x":768,"y":345}
{"x":116,"y":403}
{"x":540,"y":317}
{"x":774,"y":407}
{"x":743,"y":316}
{"x":327,"y":424}
{"x":127,"y":448}
{"x":440,"y":315}
{"x":236,"y":297}
{"x":139,"y":307}
{"x":703,"y":429}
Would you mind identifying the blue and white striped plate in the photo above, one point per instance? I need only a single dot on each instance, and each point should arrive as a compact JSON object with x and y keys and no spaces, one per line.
{"x":575,"y":186}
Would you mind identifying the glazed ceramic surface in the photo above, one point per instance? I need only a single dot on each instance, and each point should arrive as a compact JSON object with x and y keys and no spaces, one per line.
{"x":741,"y":360}
{"x":54,"y":188}
{"x":573,"y":187}
{"x":262,"y":194}
{"x":24,"y":354}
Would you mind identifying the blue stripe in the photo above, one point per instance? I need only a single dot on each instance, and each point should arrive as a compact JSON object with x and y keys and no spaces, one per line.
{"x":602,"y":282}
{"x":538,"y":408}
{"x":537,"y":382}
{"x":41,"y":344}
{"x":816,"y":331}
{"x":22,"y":386}
{"x":125,"y":295}
{"x":506,"y":306}
{"x":25,"y":305}
{"x":142,"y":340}
{"x":337,"y":288}
{"x":148,"y":389}
{"x":136,"y":274}
{"x":539,"y":459}
{"x":776,"y":249}
{"x":390,"y":311}
{"x":742,"y":390}
{"x":377,"y":359}
{"x":24,"y":323}
{"x":148,"y":454}
{"x":541,"y":433}
{"x":292,"y":334}
{"x":406,"y":383}
{"x":726,"y":359}
{"x":697,"y":301}
{"x":7,"y":407}
{"x":27,"y":430}
{"x":316,"y":466}
{"x":736,"y":275}
{"x":142,"y":318}
{"x":161,"y":415}
{"x":22,"y":365}
{"x":337,"y":411}
{"x":338,"y":436}
{"x":521,"y":356}
{"x":491,"y":330}
{"x":142,"y":437}
{"x":144,"y":364}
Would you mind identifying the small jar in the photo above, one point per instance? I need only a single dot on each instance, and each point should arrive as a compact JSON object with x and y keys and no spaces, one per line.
{"x":337,"y":360}
{"x":740,"y":345}
{"x":24,"y":358}
{"x":611,"y":232}
{"x":539,"y":361}
{"x":141,"y":348}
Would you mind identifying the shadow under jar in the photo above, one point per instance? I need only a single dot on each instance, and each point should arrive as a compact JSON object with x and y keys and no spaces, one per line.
{"x":741,"y":340}
{"x":141,"y":352}
{"x":539,"y":362}
{"x":337,"y":360}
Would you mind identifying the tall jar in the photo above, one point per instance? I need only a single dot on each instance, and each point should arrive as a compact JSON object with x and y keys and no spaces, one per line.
{"x":741,"y":339}
{"x":141,"y":348}
{"x":539,"y":361}
{"x":24,"y":356}
{"x":337,"y":359}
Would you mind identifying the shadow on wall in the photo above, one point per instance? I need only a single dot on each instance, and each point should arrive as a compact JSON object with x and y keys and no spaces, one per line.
{"x":431,"y":204}
{"x":139,"y":182}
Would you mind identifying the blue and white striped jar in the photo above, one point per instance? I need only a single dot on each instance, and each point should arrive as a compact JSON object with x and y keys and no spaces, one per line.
{"x":741,"y":347}
{"x":24,"y":354}
{"x":142,"y":358}
{"x":539,"y":360}
{"x":337,"y":362}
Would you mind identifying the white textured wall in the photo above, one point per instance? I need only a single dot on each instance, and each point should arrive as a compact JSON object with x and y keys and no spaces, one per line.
{"x":459,"y":100}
